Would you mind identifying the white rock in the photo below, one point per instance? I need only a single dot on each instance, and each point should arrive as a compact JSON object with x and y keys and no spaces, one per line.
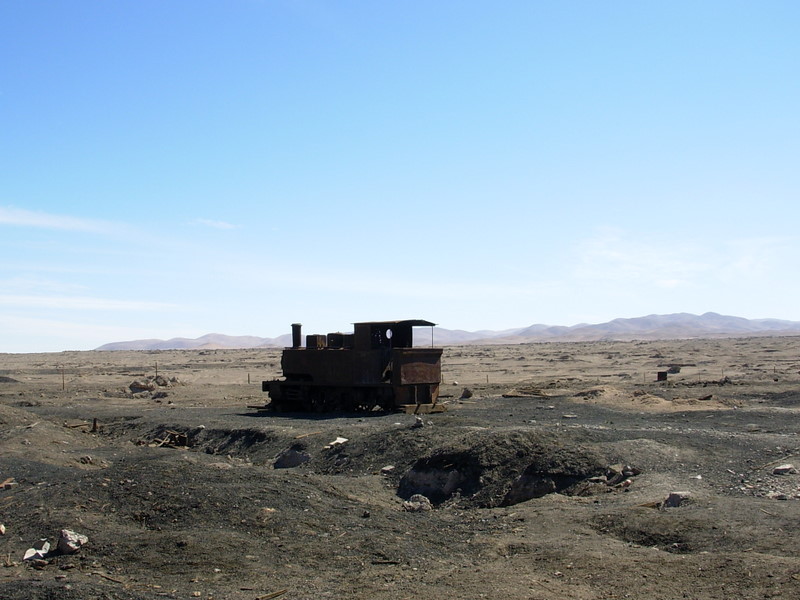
{"x":417,"y":503}
{"x":786,"y":469}
{"x":337,"y":442}
{"x":69,"y":542}
{"x":39,"y":550}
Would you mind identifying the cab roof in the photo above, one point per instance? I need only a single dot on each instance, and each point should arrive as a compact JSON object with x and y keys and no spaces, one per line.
{"x":405,"y":322}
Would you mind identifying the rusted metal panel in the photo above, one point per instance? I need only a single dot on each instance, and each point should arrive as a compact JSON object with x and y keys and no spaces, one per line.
{"x":335,"y":340}
{"x":417,"y":365}
{"x":334,"y":366}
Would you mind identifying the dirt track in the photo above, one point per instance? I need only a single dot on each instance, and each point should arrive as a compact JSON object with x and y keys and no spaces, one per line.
{"x":215,"y":519}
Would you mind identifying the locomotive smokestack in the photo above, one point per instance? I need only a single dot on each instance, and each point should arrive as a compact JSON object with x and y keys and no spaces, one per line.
{"x":296,"y":327}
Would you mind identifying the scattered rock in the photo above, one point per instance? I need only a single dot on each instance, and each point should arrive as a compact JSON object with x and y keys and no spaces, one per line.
{"x":149,"y":384}
{"x":676,"y":499}
{"x":616,"y":474}
{"x":776,"y":496}
{"x":337,"y":442}
{"x":417,"y":503}
{"x":387,"y":470}
{"x":38,"y":551}
{"x":525,"y":392}
{"x":418,"y":423}
{"x":786,"y":469}
{"x":141,"y":385}
{"x":69,"y":542}
{"x":569,"y":416}
{"x":466,"y":393}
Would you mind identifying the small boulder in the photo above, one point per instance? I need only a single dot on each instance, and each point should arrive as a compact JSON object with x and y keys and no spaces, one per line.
{"x":141,"y":385}
{"x":69,"y":542}
{"x":417,"y":503}
{"x":786,"y":469}
{"x":676,"y":499}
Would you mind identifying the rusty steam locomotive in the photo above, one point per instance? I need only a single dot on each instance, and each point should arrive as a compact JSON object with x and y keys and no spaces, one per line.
{"x":375,"y":367}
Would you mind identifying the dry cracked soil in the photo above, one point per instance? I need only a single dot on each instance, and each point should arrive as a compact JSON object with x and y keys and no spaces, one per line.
{"x":548,"y":482}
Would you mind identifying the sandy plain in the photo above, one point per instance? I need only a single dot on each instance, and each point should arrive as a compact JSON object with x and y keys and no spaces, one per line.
{"x":216,"y":519}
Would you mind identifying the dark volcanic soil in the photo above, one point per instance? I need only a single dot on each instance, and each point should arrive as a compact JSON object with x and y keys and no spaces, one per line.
{"x":553,"y":492}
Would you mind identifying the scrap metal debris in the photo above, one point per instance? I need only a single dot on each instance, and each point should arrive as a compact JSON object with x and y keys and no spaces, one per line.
{"x":171,"y":439}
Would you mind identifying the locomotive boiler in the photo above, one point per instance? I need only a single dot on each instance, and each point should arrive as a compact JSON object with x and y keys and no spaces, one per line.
{"x":375,"y":367}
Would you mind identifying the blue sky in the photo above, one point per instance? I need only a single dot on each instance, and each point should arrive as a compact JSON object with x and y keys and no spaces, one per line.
{"x":174,"y":168}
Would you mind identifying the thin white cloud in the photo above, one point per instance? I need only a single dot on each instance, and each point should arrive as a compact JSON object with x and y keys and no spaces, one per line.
{"x":619,"y":257}
{"x":21,"y":217}
{"x":756,"y":257}
{"x":32,"y":285}
{"x":214,"y":224}
{"x":82,"y":303}
{"x":615,"y":256}
{"x":262,"y":277}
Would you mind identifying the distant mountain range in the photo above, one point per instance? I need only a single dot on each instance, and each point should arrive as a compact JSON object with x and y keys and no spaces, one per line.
{"x":651,"y":327}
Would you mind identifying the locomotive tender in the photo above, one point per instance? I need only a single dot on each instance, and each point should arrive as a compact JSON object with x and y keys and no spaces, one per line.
{"x":376,"y":366}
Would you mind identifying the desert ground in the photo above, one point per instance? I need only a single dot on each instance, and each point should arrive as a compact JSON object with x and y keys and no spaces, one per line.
{"x":549,"y":481}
